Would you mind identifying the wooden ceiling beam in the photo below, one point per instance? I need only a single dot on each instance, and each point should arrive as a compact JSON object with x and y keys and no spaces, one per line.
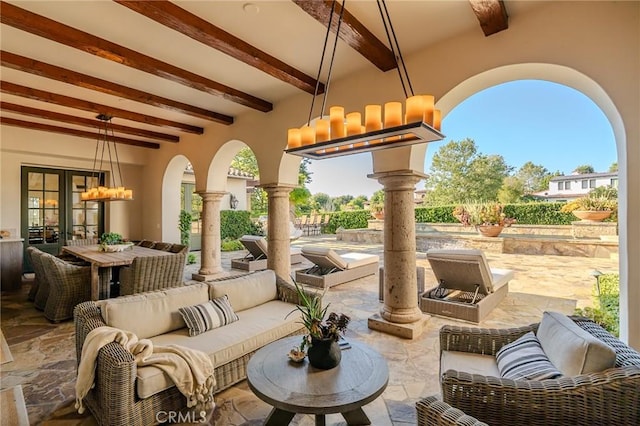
{"x":73,"y":132}
{"x":53,"y":72}
{"x":492,"y":15}
{"x":352,"y":32}
{"x":178,"y":19}
{"x":55,"y":31}
{"x":80,"y":121}
{"x":66,"y":101}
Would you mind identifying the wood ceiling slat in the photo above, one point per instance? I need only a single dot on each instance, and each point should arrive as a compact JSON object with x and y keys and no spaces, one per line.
{"x":176,"y":18}
{"x":73,"y":132}
{"x":352,"y":32}
{"x":492,"y":15}
{"x":33,"y":66}
{"x":72,"y":37}
{"x":70,"y":119}
{"x":54,"y":98}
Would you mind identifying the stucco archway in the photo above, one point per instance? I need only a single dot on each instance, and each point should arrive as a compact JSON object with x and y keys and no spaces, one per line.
{"x":171,"y":181}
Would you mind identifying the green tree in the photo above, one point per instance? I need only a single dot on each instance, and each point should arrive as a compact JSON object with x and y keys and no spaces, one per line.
{"x":340,"y":201}
{"x":358,"y":202}
{"x":322,"y":202}
{"x":613,"y":167}
{"x":584,"y":169}
{"x":545,"y":181}
{"x":533,"y":177}
{"x":459,"y":173}
{"x":511,"y":191}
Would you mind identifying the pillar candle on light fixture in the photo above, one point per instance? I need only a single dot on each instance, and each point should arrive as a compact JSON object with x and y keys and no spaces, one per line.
{"x":322,"y":130}
{"x":428,"y":105}
{"x":372,"y":117}
{"x":392,"y":114}
{"x":414,"y":109}
{"x":437,"y":119}
{"x":294,"y":138}
{"x":307,"y":135}
{"x":354,"y":123}
{"x":336,"y":119}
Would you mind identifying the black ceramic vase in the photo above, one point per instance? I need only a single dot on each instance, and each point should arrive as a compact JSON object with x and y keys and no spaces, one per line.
{"x":324,"y":353}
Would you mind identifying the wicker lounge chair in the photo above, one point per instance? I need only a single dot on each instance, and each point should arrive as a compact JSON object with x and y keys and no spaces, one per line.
{"x":152,"y":273}
{"x":69,"y":285}
{"x":467,"y":288}
{"x":609,"y":397}
{"x":331,"y":268}
{"x":256,"y":259}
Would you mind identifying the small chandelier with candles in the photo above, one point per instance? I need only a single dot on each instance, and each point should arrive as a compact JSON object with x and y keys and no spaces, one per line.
{"x":334,"y":137}
{"x":116,"y":192}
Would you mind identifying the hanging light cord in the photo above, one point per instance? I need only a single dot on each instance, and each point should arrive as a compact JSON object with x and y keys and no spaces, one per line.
{"x":389,"y":30}
{"x":333,"y":55}
{"x":115,"y":151}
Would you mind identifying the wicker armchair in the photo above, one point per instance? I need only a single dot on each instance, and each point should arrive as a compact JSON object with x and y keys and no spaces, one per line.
{"x":69,"y":285}
{"x":114,"y":400}
{"x":33,"y":254}
{"x":610,"y":397}
{"x":152,"y":273}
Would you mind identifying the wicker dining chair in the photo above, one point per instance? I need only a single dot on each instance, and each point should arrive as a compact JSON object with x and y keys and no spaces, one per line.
{"x":147,"y":243}
{"x":179,"y":248}
{"x":83,"y":242}
{"x":69,"y":285}
{"x":152,"y":273}
{"x":162,"y":246}
{"x":42,"y":291}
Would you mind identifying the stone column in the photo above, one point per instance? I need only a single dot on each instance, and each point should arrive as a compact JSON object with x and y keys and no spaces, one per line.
{"x":279,"y":257}
{"x":400,"y":314}
{"x":210,"y":255}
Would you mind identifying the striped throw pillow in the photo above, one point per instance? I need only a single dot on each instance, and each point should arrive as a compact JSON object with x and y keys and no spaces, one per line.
{"x":209,"y":315}
{"x":525,"y":359}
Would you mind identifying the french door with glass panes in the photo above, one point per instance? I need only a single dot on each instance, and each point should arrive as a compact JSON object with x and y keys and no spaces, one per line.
{"x":52,"y":211}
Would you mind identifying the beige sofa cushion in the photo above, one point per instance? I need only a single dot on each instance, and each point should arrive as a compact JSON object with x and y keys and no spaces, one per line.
{"x":248,"y":290}
{"x":571,"y":349}
{"x":485,"y":365}
{"x":257,"y":327}
{"x":153,"y":313}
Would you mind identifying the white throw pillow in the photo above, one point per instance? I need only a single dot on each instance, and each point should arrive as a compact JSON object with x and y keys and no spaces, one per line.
{"x":571,"y":349}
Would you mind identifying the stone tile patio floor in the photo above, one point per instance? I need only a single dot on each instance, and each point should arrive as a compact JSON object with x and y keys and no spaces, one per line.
{"x":44,"y":356}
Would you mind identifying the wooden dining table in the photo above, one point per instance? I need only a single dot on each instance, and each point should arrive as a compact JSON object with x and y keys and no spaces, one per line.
{"x":101,"y":259}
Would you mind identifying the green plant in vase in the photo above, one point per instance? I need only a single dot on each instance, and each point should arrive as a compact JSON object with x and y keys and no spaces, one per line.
{"x":322,"y":333}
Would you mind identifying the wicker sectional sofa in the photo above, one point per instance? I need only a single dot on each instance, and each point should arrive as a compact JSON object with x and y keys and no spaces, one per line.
{"x":127,"y":395}
{"x":607,"y":397}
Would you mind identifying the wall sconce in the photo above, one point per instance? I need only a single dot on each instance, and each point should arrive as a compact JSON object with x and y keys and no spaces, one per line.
{"x":233,"y":202}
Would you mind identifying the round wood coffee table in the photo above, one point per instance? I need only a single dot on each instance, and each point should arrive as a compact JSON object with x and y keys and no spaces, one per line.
{"x":292,"y":388}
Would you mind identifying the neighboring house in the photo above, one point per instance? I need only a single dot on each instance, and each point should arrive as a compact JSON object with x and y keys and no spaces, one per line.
{"x":570,"y":187}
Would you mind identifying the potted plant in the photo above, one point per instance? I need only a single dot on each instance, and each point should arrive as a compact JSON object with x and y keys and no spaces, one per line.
{"x":112,"y":242}
{"x":487,"y":217}
{"x":595,"y":207}
{"x":322,"y":333}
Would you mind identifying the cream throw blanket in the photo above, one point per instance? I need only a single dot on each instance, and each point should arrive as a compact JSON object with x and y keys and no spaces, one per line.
{"x":191,"y":370}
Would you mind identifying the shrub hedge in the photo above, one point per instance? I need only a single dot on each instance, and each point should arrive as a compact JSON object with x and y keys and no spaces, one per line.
{"x":542,"y":213}
{"x":606,"y":310}
{"x":236,"y":223}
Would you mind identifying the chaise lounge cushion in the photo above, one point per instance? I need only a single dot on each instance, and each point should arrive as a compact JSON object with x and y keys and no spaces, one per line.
{"x":257,"y":327}
{"x":142,"y":314}
{"x":571,"y":349}
{"x":248,"y":290}
{"x":328,"y":258}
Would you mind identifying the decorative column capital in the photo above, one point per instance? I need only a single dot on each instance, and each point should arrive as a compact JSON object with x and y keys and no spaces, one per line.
{"x":211,"y":195}
{"x":278,"y":190}
{"x":399,"y":180}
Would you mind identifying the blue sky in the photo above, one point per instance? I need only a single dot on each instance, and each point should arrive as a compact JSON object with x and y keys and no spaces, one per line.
{"x":528,"y":120}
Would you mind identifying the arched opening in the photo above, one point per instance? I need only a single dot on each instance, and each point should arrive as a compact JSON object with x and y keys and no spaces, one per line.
{"x":171,"y":197}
